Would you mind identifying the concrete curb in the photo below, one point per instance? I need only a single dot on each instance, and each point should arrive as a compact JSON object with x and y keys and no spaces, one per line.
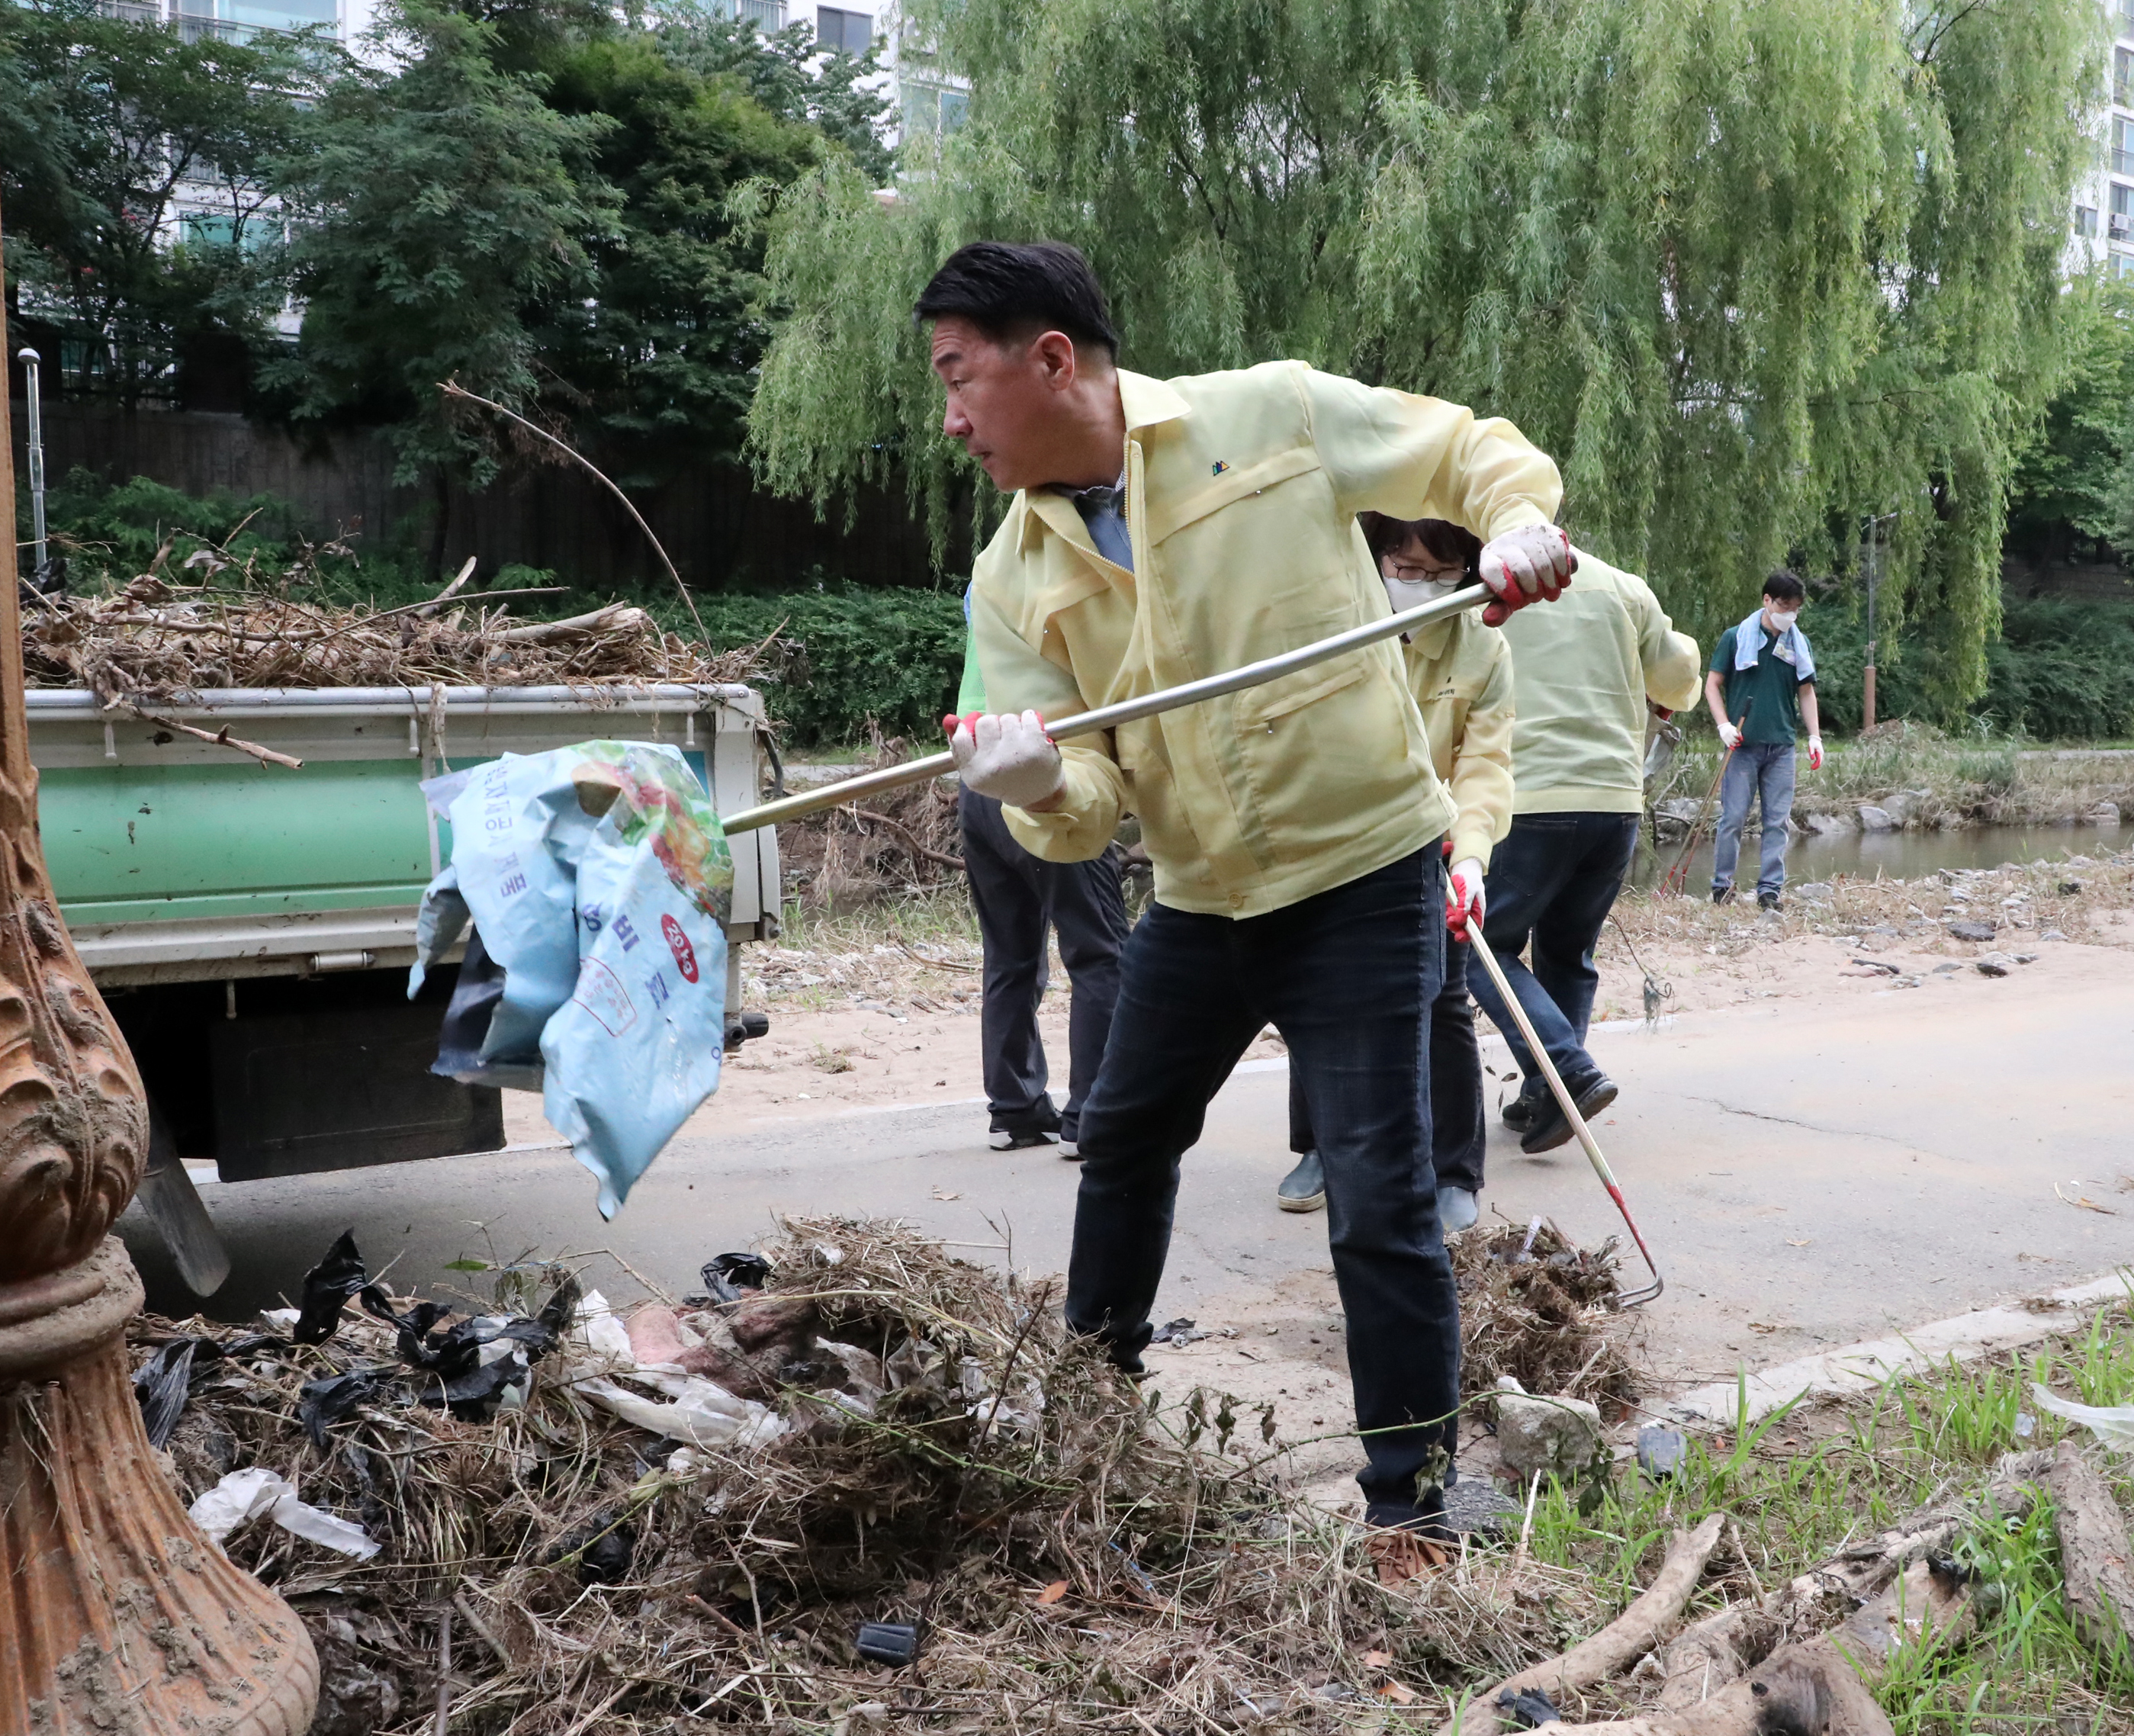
{"x":1859,"y":1368}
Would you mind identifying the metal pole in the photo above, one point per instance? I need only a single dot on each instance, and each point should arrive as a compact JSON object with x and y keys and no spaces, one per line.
{"x":1625,"y":1299}
{"x":1867,"y":674}
{"x":1127,"y":711}
{"x":29,"y":359}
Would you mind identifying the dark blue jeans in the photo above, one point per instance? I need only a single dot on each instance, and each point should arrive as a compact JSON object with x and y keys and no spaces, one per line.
{"x":1553,"y":881}
{"x":1348,"y":978}
{"x":1017,"y":896}
{"x":1457,"y":1130}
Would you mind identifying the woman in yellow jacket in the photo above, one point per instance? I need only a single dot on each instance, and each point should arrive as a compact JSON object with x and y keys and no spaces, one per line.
{"x":1460,"y":673}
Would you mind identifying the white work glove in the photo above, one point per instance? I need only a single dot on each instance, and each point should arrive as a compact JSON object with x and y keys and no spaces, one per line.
{"x":1006,"y":755}
{"x":1463,"y":897}
{"x":1815,"y":753}
{"x":1729,"y":736}
{"x":1533,"y":563}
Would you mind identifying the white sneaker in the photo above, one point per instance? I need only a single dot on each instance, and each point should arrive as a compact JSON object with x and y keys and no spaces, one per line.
{"x":1071,"y":1150}
{"x":1457,"y":1210}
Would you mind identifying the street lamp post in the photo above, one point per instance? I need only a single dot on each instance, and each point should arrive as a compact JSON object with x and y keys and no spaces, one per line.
{"x":117,"y":1617}
{"x":1874,"y":574}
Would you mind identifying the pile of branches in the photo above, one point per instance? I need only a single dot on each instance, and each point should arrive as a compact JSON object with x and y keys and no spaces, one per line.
{"x":1062,"y":1557}
{"x":154,"y":640}
{"x":1534,"y":1305}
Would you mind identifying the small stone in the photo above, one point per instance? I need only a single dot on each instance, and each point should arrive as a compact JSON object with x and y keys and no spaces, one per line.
{"x":1971,"y":929}
{"x":1559,"y":1436}
{"x":1877,"y":819}
{"x":1661,"y":1450}
{"x":2052,"y":934}
{"x":2104,"y":814}
{"x":1994,"y":963}
{"x":1944,"y":970}
{"x":1818,"y":890}
{"x":2026,"y":958}
{"x":1824,"y":824}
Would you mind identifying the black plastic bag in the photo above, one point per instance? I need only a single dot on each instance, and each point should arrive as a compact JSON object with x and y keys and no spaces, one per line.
{"x":162,"y":1384}
{"x":337,"y":1396}
{"x":727,"y":1276}
{"x":327,"y":1287}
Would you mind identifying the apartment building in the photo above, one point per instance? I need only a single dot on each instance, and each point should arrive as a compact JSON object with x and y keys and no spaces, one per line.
{"x":2103,"y":221}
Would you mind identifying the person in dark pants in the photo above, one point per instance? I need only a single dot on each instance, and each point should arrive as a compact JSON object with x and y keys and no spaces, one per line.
{"x":1162,"y":530}
{"x":1347,"y":976}
{"x":1583,"y":674}
{"x":1017,"y":896}
{"x":1460,"y":673}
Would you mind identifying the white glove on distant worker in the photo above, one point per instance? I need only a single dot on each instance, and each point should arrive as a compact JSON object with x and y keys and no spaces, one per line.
{"x":1006,"y":756}
{"x":1463,"y":897}
{"x":1729,"y":736}
{"x":1815,"y":753}
{"x":1533,"y":563}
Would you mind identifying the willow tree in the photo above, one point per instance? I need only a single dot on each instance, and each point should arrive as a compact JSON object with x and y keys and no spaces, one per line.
{"x":1750,"y":271}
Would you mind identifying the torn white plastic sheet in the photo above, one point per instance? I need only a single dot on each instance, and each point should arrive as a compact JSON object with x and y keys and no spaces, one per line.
{"x":2112,"y":1423}
{"x":245,"y":1495}
{"x":702,"y":1413}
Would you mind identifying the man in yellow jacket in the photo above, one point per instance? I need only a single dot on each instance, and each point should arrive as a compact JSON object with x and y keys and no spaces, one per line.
{"x":1460,"y":673}
{"x":1163,"y":530}
{"x":1582,"y":675}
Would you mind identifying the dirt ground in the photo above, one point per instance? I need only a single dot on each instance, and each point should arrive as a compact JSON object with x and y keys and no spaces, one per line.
{"x":867,"y":1017}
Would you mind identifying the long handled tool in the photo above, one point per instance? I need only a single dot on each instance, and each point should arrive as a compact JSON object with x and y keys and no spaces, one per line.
{"x":1626,"y":1298}
{"x":1127,"y":711}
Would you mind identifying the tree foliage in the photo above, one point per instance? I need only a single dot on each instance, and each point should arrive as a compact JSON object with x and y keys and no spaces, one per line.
{"x":442,"y":204}
{"x":1750,"y":271}
{"x":2076,"y":477}
{"x":102,"y":122}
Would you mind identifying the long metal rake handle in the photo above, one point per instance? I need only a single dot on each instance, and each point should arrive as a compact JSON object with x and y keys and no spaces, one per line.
{"x":1126,"y":711}
{"x":1624,"y":1299}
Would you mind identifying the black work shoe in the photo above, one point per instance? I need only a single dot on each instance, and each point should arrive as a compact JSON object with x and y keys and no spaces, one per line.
{"x":1304,"y":1188}
{"x":1722,"y":895}
{"x":1767,"y":901}
{"x":1552,"y":1130}
{"x":1522,"y":1112}
{"x":1040,"y":1126}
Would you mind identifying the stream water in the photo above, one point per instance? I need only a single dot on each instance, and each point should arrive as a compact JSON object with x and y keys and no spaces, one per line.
{"x":1895,"y":855}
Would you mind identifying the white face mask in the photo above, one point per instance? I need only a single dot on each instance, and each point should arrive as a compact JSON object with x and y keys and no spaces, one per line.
{"x":1411,"y":593}
{"x":1781,"y":621}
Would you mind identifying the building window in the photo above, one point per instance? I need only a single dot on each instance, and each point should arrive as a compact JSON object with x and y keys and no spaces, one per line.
{"x":2122,"y":77}
{"x":930,"y":108}
{"x":2123,"y":265}
{"x":843,"y":32}
{"x":2085,"y":221}
{"x":2122,"y":147}
{"x":2119,"y":225}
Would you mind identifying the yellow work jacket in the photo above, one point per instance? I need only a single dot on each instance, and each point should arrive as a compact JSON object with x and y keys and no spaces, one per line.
{"x":1584,"y":666}
{"x":1243,"y":490}
{"x":1460,"y":673}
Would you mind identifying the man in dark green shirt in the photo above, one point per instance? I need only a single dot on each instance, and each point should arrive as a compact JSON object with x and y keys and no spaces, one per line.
{"x":1761,"y":689}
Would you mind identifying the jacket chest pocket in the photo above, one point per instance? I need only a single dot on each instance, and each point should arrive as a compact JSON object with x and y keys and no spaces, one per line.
{"x":1260,"y":708}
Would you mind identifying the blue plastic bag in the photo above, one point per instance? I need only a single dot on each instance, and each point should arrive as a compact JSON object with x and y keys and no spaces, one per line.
{"x":598,"y":881}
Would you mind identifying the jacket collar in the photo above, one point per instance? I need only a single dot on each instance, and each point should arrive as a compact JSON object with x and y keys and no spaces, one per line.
{"x":1147,"y":403}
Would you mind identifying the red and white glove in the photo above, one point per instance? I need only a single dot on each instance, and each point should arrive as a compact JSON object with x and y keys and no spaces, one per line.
{"x":1729,"y":736}
{"x":1463,"y":897}
{"x":1815,"y":753}
{"x":1531,"y":563}
{"x":1007,"y":756}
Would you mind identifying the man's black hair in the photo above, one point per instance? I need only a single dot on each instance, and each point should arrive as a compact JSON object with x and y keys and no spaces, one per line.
{"x":1786,"y":587}
{"x":1012,"y":290}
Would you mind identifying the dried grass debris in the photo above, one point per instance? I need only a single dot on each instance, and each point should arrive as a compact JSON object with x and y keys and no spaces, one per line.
{"x":1536,"y":1306}
{"x":954,"y":1462}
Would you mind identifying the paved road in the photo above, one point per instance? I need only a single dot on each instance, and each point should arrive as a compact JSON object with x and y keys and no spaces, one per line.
{"x":1805,"y":1180}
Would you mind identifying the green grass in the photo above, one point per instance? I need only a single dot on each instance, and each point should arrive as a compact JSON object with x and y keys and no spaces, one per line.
{"x":1922,"y":1437}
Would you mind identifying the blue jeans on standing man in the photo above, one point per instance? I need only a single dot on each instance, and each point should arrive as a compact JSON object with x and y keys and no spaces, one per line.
{"x":1764,"y":768}
{"x":1553,"y":881}
{"x":1347,"y":977}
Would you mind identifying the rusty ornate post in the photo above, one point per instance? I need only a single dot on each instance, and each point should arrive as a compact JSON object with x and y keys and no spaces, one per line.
{"x":117,"y":1616}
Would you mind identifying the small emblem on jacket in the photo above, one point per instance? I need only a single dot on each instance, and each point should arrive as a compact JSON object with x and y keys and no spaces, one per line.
{"x":1221,"y":465}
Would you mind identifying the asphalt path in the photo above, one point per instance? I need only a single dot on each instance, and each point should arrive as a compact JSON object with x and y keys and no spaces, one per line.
{"x":1805,"y":1180}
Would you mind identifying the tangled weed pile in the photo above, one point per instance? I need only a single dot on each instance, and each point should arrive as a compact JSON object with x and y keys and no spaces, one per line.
{"x":154,"y":640}
{"x":948,"y":1461}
